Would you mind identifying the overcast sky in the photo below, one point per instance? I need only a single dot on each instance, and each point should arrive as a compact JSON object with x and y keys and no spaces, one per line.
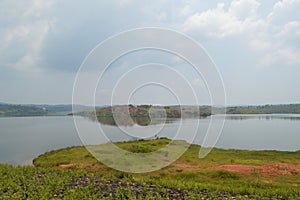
{"x":254,"y":44}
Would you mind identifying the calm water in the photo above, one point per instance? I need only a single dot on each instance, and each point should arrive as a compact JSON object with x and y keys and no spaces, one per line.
{"x":24,"y":138}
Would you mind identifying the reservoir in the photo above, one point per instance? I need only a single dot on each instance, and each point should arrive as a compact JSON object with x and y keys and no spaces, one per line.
{"x":24,"y":138}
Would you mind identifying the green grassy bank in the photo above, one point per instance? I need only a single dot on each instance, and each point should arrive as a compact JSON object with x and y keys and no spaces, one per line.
{"x":73,"y":173}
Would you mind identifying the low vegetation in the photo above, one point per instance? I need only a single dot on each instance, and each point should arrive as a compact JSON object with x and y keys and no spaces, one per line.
{"x":73,"y":173}
{"x":265,"y":109}
{"x":7,"y":110}
{"x":140,"y":111}
{"x":24,"y":110}
{"x":144,"y":114}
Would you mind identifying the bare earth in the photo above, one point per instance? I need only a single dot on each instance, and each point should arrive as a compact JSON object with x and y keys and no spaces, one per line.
{"x":268,"y":169}
{"x":66,"y":165}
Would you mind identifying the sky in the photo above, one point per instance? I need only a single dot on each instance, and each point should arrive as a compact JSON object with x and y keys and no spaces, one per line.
{"x":254,"y":44}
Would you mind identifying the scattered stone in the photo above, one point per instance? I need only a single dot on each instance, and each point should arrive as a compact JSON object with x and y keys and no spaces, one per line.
{"x":109,"y":189}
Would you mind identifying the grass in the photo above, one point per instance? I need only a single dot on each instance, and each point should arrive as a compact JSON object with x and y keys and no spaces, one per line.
{"x":189,"y":177}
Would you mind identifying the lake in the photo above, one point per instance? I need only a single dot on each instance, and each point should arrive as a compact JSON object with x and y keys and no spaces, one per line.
{"x":24,"y":138}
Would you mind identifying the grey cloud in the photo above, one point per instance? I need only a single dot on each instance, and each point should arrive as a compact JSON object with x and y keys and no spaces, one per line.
{"x":82,"y":26}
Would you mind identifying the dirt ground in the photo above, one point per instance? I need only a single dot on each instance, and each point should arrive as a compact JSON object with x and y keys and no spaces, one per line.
{"x":268,"y":169}
{"x":65,"y":165}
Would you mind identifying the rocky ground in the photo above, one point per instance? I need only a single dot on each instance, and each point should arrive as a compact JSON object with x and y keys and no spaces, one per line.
{"x":110,"y":188}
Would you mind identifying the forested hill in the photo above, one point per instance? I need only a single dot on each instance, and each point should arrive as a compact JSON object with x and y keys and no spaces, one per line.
{"x":175,"y":111}
{"x":14,"y":110}
{"x":265,"y":109}
{"x":9,"y":110}
{"x":19,"y":110}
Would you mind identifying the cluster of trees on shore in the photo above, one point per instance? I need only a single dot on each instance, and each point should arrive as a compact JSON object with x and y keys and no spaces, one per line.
{"x":23,"y":110}
{"x":144,"y":114}
{"x":139,"y":111}
{"x":265,"y":109}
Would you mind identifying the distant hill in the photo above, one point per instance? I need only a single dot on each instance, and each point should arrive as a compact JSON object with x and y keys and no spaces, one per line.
{"x":14,"y":110}
{"x":9,"y":110}
{"x":265,"y":109}
{"x":19,"y":110}
{"x":144,"y":114}
{"x":63,"y":109}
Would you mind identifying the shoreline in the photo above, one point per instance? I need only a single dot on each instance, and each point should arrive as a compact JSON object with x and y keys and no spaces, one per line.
{"x":222,"y":174}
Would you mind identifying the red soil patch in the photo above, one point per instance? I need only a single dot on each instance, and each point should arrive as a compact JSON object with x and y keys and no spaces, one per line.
{"x":64,"y":166}
{"x":268,"y":169}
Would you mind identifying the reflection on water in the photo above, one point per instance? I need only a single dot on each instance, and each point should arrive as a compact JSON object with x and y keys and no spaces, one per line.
{"x":132,"y":121}
{"x":290,"y":117}
{"x":24,"y":138}
{"x":144,"y":115}
{"x":141,"y":121}
{"x":146,"y":121}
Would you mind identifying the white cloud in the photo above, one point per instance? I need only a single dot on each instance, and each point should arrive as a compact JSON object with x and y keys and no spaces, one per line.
{"x":285,"y":37}
{"x":220,"y":23}
{"x":9,"y":35}
{"x":186,"y":10}
{"x":31,"y":59}
{"x":38,"y":8}
{"x":244,"y":8}
{"x":282,"y":57}
{"x":22,"y":41}
{"x":285,"y":11}
{"x":260,"y":45}
{"x":239,"y":34}
{"x":276,"y":35}
{"x":291,"y":29}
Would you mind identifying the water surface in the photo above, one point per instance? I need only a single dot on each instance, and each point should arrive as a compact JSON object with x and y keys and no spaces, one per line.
{"x":24,"y":138}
